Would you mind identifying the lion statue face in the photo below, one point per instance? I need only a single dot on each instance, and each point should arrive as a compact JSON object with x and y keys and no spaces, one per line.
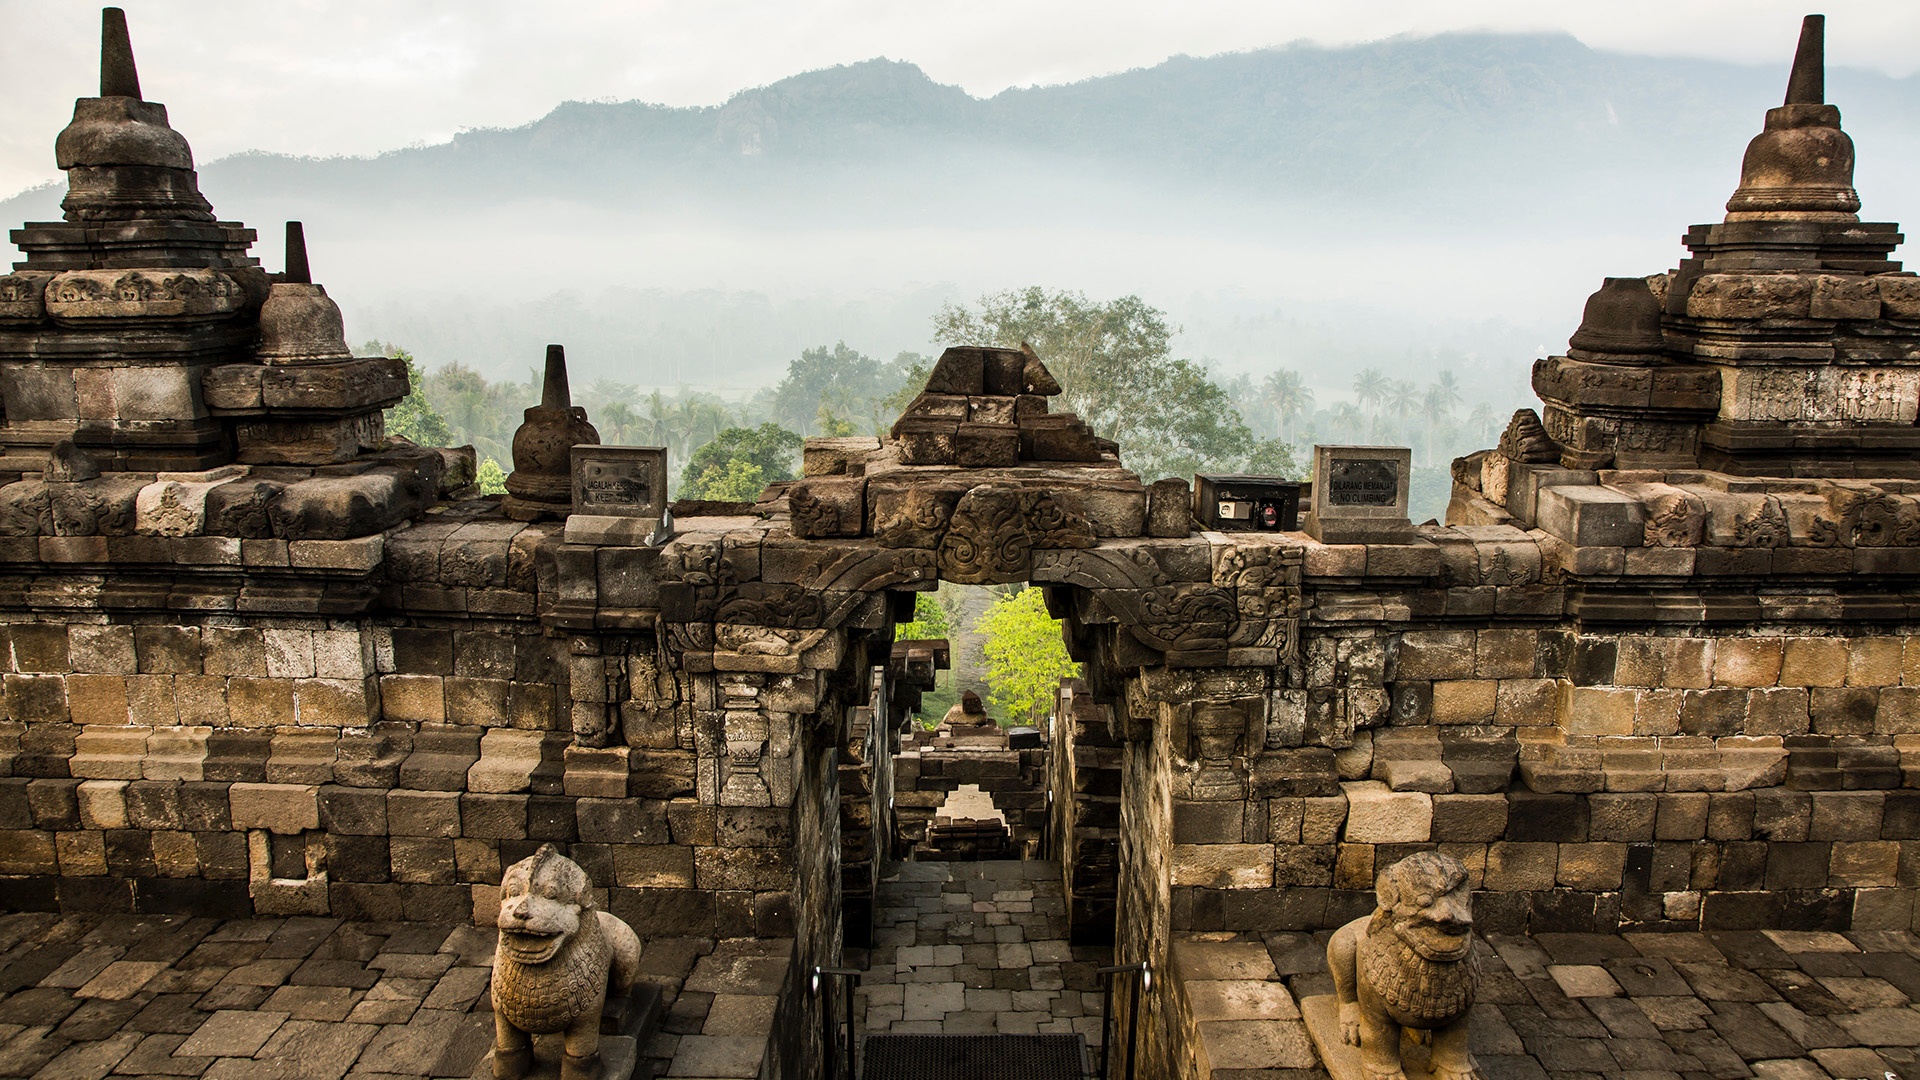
{"x":1425,"y":902}
{"x":542,"y":900}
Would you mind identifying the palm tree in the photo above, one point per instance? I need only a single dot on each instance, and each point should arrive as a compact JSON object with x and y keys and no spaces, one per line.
{"x":1401,"y":399}
{"x":1437,"y":406}
{"x":1347,"y":420}
{"x":616,"y":420}
{"x":1484,"y":423}
{"x":652,"y":421}
{"x":1368,"y":388}
{"x":1288,"y":395}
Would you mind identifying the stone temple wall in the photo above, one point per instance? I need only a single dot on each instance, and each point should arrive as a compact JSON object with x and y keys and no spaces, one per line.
{"x":381,"y":765}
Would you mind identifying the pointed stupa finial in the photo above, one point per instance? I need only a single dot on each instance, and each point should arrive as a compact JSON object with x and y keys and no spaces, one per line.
{"x":118,"y":77}
{"x":298,"y":272}
{"x":554,"y":393}
{"x":1808,"y":83}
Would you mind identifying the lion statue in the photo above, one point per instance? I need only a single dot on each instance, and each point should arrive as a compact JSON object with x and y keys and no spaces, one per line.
{"x":1410,"y":965}
{"x":557,"y":960}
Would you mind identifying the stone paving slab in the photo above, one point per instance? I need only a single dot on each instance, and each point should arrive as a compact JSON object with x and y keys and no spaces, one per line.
{"x":976,"y":948}
{"x":1775,"y":1004}
{"x":104,"y":997}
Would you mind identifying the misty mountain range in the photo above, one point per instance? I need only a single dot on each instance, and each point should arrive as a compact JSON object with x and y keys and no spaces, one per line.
{"x":860,"y":196}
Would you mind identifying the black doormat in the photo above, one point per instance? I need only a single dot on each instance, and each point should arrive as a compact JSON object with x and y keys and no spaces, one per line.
{"x":975,"y":1057}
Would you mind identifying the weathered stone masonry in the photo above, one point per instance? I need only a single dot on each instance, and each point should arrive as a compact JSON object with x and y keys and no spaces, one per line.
{"x":1661,"y":670}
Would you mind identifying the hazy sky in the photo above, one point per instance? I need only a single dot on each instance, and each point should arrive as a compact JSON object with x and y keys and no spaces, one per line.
{"x":317,"y":77}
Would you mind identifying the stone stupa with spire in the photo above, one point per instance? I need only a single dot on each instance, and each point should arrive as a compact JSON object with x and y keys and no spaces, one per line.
{"x":141,"y":330}
{"x":1788,"y":344}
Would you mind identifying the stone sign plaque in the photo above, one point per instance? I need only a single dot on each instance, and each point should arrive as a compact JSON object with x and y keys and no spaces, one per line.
{"x":1360,"y":495}
{"x":620,"y":481}
{"x":1363,"y":482}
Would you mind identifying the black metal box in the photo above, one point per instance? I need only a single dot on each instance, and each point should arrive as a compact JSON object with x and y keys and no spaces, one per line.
{"x":1246,"y":503}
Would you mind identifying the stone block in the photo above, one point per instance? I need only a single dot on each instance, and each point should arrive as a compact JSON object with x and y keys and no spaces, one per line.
{"x":301,"y":756}
{"x":109,"y":753}
{"x":507,"y":761}
{"x":102,"y":650}
{"x":349,"y":811}
{"x":1223,"y":866}
{"x":1748,"y":662}
{"x":1376,"y":814}
{"x":621,"y":821}
{"x":103,"y":804}
{"x":179,"y":752}
{"x":1591,"y":516}
{"x":1628,"y":817}
{"x":1874,"y":661}
{"x":413,"y":698}
{"x":1433,"y":654}
{"x":423,"y":813}
{"x":493,"y":817}
{"x":229,"y":650}
{"x":1505,"y":654}
{"x":600,"y":773}
{"x":1469,"y":819}
{"x":1681,"y":816}
{"x":1813,"y":662}
{"x":1846,"y":815}
{"x":336,"y":703}
{"x":653,"y":866}
{"x":1526,"y":702}
{"x":1598,"y":710}
{"x":1522,"y":867}
{"x":278,"y":808}
{"x":1322,"y":818}
{"x":1778,"y":711}
{"x":440,"y":759}
{"x":253,"y":702}
{"x":1169,"y":508}
{"x":1464,"y":701}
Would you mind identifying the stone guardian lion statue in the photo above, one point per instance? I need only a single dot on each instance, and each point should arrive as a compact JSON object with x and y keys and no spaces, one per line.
{"x":557,"y":960}
{"x":1410,"y":965}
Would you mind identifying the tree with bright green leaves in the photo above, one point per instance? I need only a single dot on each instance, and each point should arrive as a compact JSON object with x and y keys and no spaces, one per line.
{"x":1115,"y":362}
{"x":414,"y":417}
{"x":739,"y":459}
{"x":491,"y":478}
{"x":929,"y":623}
{"x":738,"y":481}
{"x":1026,"y":656}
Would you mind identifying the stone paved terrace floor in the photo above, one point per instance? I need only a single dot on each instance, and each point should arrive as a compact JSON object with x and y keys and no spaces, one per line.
{"x":1777,"y":1005}
{"x":976,"y":948}
{"x":92,"y":997}
{"x":89,"y":997}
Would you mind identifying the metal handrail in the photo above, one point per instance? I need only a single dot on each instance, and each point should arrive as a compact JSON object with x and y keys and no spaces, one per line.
{"x":1141,"y":986}
{"x":829,"y":1030}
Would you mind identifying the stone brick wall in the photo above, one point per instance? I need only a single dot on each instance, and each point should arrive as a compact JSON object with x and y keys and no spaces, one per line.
{"x":1590,"y":775}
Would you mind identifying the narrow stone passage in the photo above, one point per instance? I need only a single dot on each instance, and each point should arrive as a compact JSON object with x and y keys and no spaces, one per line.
{"x":969,"y":948}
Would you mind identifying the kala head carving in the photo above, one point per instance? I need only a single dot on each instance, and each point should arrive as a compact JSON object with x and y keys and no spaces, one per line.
{"x":558,"y":960}
{"x":1409,"y":966}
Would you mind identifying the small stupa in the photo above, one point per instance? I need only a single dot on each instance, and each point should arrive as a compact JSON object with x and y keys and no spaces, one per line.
{"x":541,"y":484}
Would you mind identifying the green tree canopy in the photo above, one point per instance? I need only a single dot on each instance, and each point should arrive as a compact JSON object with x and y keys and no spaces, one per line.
{"x":1026,"y":656}
{"x":929,"y":620}
{"x":1115,"y":362}
{"x":491,"y":478}
{"x":414,"y":417}
{"x":721,"y":464}
{"x":835,"y":390}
